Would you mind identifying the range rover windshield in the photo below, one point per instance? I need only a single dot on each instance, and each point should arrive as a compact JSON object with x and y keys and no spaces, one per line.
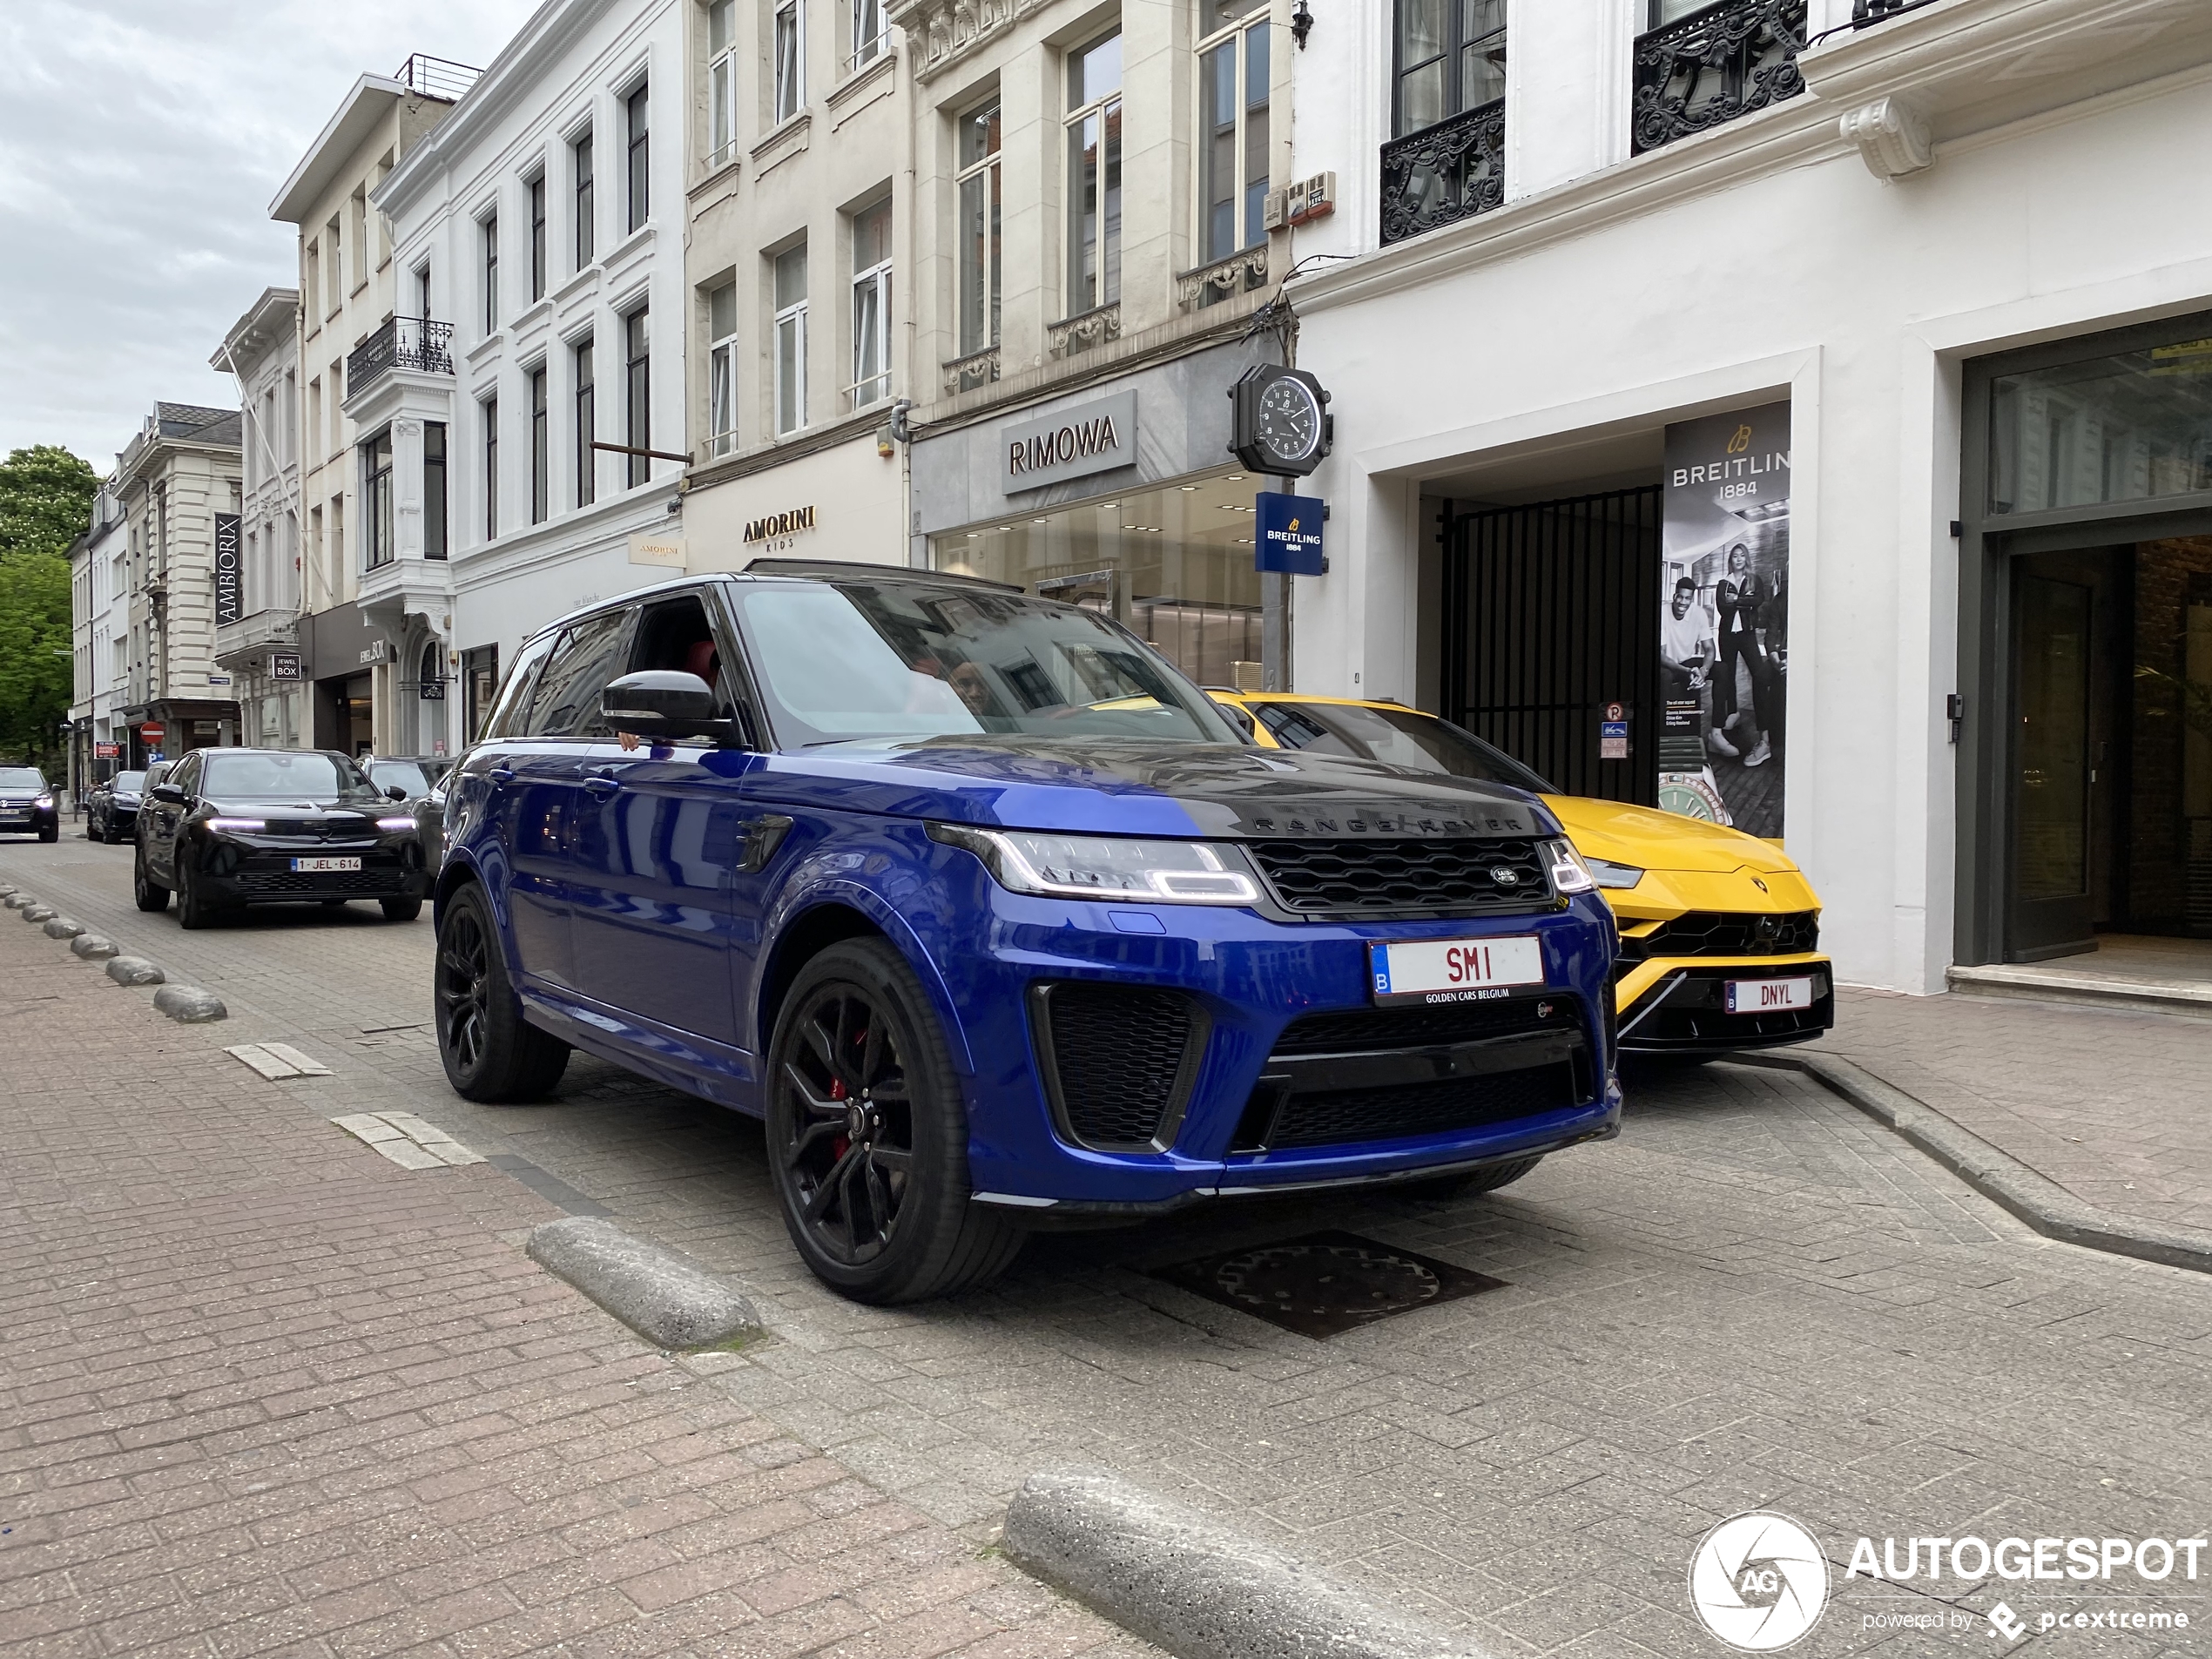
{"x":890,"y":659}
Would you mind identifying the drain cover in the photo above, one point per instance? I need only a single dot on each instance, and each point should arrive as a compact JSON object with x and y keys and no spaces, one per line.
{"x":1326,"y":1283}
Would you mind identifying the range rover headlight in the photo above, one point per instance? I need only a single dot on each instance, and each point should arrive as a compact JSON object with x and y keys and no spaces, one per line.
{"x":1569,"y":872}
{"x":1107,"y":866}
{"x":1609,"y":874}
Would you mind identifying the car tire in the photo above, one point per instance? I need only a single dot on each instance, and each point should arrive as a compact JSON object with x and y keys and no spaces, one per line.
{"x":109,"y":834}
{"x":90,"y":834}
{"x":401,"y":909}
{"x":148,"y":894}
{"x":52,"y":831}
{"x":193,"y":912}
{"x":867,"y":1135}
{"x":1488,"y":1179}
{"x":490,"y":1053}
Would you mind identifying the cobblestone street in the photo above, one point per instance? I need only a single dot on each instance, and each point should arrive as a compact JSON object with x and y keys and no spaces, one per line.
{"x":1757,"y":1297}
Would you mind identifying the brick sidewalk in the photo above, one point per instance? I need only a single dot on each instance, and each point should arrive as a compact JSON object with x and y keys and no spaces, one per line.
{"x":2116,"y":1107}
{"x":263,"y":1390}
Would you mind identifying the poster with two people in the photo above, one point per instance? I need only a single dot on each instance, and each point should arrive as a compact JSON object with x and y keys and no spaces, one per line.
{"x":1724,"y":619}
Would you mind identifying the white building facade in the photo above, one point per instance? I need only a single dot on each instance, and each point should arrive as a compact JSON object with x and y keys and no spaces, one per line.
{"x":258,"y":563}
{"x":99,"y":610}
{"x":538,"y":237}
{"x":1942,"y":545}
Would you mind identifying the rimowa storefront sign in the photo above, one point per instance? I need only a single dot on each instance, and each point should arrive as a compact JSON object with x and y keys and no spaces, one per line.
{"x":1069,"y":443}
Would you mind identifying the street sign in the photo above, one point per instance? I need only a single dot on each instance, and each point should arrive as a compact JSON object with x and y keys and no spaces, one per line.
{"x":1289,"y":534}
{"x":284,"y":665}
{"x":152,"y":732}
{"x":106,"y":750}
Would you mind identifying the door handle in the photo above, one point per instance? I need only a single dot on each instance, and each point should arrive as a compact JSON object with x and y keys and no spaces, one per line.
{"x":602,"y":786}
{"x":502,"y":774}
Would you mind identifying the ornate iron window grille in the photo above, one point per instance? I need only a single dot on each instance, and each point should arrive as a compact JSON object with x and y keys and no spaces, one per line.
{"x":1727,"y":60}
{"x":404,"y":343}
{"x":1444,"y":174}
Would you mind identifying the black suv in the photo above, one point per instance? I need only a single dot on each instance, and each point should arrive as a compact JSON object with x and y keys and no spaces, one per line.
{"x":27,"y":803}
{"x":111,"y":808}
{"x":231,"y":827}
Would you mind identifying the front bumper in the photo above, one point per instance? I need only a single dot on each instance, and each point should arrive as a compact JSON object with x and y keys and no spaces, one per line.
{"x":1366,"y":1109}
{"x":29,"y":820}
{"x":1679,"y":1005}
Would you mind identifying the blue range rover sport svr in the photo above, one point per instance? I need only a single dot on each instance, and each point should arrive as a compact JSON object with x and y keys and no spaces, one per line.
{"x":998,"y":922}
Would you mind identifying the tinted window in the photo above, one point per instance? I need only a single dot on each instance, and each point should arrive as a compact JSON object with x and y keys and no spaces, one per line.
{"x":592,"y":654}
{"x":129,"y":782}
{"x":907,"y":659}
{"x":308,"y":775}
{"x":186,"y":777}
{"x":1399,"y":738}
{"x":21,"y":777}
{"x":505,"y":720}
{"x":399,"y":774}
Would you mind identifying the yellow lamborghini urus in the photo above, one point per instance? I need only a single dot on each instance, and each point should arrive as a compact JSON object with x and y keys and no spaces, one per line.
{"x":1720,"y":932}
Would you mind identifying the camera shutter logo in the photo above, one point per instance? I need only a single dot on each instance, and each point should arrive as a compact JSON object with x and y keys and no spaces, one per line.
{"x":1759,"y":1581}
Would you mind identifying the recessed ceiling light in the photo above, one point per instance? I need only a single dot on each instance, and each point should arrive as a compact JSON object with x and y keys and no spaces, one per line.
{"x":1187,"y":488}
{"x":1040,"y":521}
{"x":1236,"y":477}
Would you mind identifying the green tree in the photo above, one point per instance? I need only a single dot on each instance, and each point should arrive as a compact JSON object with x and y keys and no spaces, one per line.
{"x":35,"y":670}
{"x":45,"y":500}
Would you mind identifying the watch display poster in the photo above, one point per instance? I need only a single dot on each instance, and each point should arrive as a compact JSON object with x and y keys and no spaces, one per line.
{"x":1724,"y":619}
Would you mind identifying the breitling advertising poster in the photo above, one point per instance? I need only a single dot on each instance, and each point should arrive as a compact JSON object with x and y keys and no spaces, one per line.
{"x":1724,"y":619}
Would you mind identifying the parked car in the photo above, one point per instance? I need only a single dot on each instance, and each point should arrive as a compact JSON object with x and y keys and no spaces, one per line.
{"x":112,"y":807}
{"x":1720,"y":931}
{"x":999,"y":922}
{"x":415,"y":774}
{"x":27,"y":803}
{"x":231,"y":827}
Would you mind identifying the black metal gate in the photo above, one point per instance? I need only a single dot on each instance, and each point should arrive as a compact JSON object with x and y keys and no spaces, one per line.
{"x":1551,"y":611}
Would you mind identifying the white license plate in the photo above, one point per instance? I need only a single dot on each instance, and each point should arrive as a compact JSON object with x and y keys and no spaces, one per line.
{"x":318,"y":867}
{"x":1769,"y":995}
{"x":1454,"y":970}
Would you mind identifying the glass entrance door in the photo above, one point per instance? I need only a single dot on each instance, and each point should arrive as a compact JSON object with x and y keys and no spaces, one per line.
{"x":2050,"y":909}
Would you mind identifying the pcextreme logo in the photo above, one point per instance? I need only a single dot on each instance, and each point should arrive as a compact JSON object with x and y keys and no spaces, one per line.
{"x":1759,"y":1581}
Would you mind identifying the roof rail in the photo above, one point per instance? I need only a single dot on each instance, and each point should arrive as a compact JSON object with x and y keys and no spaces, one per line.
{"x":834,"y":568}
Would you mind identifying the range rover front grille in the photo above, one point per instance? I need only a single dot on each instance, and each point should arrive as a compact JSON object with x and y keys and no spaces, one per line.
{"x":1339,"y":1115}
{"x":1390,"y":878}
{"x":1119,"y":1059}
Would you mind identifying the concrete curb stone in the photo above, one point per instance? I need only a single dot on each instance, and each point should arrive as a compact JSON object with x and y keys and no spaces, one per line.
{"x":134,"y":970}
{"x":671,"y":1300}
{"x":37,"y":913}
{"x":16,"y":900}
{"x":189,"y":1005}
{"x":1197,"y":1587}
{"x":62,"y":927}
{"x":93,"y":947}
{"x":1997,"y":1174}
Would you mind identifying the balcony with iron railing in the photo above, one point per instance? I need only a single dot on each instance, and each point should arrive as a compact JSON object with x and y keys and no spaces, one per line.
{"x":1444,"y":174}
{"x":419,"y":343}
{"x":439,"y":77}
{"x":1723,"y":61}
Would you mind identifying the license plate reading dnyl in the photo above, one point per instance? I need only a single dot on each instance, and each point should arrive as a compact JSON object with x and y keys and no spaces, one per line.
{"x":318,"y":867}
{"x":1769,"y":995}
{"x":1454,"y":970}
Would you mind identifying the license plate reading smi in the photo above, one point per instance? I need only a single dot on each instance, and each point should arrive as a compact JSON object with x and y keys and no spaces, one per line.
{"x":1454,"y":970}
{"x":323,"y":867}
{"x":1769,"y":995}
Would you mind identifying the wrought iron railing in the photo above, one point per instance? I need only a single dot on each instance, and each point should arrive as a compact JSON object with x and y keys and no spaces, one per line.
{"x":1864,"y":14}
{"x":1714,"y":66}
{"x":403,"y":342}
{"x":435,"y":76}
{"x":1443,"y":173}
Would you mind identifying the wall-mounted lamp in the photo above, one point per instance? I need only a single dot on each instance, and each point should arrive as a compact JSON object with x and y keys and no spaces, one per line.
{"x":1301,"y":24}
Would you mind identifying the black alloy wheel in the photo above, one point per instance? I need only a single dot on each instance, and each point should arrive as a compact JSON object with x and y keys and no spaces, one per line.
{"x":489,"y":1051}
{"x":147,"y":892}
{"x":109,"y":834}
{"x":868,"y":1137}
{"x":194,"y":910}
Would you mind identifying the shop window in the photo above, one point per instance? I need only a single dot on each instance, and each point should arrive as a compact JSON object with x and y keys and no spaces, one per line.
{"x":871,"y":306}
{"x":725,"y":63}
{"x":376,"y":500}
{"x":790,"y":339}
{"x":722,"y":368}
{"x":638,"y":394}
{"x":1233,"y":128}
{"x":1094,"y":128}
{"x":434,"y":489}
{"x":1173,"y":563}
{"x":978,"y":249}
{"x":2131,"y":426}
{"x":1450,"y":58}
{"x":587,"y":422}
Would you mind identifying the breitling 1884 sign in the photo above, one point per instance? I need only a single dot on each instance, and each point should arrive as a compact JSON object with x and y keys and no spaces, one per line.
{"x":1289,"y":538}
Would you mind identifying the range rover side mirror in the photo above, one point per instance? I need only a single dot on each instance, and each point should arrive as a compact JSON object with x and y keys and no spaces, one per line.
{"x":168,"y":793}
{"x":665,"y":703}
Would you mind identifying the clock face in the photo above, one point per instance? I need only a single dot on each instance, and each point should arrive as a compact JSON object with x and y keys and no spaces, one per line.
{"x":1288,"y":419}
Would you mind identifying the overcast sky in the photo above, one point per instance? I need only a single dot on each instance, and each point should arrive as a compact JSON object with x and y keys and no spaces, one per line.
{"x":141,"y":142}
